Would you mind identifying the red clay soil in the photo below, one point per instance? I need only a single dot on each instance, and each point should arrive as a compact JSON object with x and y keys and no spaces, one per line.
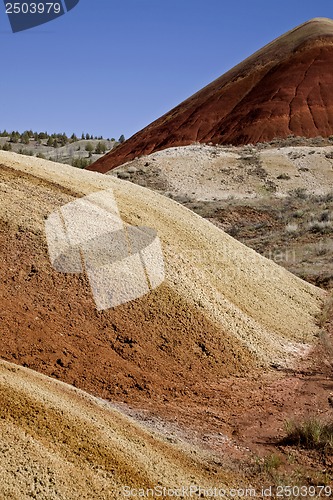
{"x":284,"y":89}
{"x":157,"y":346}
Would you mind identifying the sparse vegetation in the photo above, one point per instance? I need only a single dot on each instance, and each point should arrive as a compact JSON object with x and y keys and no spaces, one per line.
{"x":312,"y":433}
{"x":299,"y":193}
{"x":100,"y":148}
{"x":89,"y":148}
{"x":81,"y":162}
{"x":269,"y":463}
{"x":291,"y":228}
{"x":326,"y":314}
{"x":320,"y":226}
{"x":7,"y":146}
{"x":25,"y":152}
{"x":293,"y":231}
{"x":51,"y":139}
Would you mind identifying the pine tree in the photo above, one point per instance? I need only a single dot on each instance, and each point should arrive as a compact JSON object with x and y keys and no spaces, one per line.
{"x":25,"y":137}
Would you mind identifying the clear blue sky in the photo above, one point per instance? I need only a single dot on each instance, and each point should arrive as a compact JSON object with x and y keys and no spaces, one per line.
{"x":112,"y":66}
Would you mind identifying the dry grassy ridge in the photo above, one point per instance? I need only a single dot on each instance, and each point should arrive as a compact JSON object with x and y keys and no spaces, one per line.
{"x":212,"y":173}
{"x":61,"y":154}
{"x":223,"y":310}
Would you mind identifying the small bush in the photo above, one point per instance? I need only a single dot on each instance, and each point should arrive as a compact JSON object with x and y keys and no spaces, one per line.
{"x":81,"y":162}
{"x":272,"y":462}
{"x":311,"y":434}
{"x":326,"y":313}
{"x":269,"y":463}
{"x":320,"y":226}
{"x":325,"y":216}
{"x":298,"y":214}
{"x":299,"y":193}
{"x":233,"y":231}
{"x":320,"y":250}
{"x":100,"y":148}
{"x":7,"y":146}
{"x":291,"y":228}
{"x":285,"y":177}
{"x":89,"y":148}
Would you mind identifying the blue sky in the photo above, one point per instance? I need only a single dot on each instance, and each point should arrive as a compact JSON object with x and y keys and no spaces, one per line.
{"x":110,"y":67}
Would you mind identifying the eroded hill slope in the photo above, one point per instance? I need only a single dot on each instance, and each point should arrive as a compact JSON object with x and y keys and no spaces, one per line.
{"x":284,"y":89}
{"x":221,"y":310}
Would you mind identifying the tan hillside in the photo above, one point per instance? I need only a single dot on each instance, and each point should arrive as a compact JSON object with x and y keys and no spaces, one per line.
{"x":275,"y":198}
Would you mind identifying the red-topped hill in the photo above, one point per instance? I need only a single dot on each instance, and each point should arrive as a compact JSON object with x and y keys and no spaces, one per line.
{"x":284,"y":89}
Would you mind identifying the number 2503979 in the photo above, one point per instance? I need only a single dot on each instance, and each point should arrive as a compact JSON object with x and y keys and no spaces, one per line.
{"x":33,"y":8}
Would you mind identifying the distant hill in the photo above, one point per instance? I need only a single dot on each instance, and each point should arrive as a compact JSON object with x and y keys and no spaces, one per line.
{"x":75,"y":151}
{"x":284,"y":89}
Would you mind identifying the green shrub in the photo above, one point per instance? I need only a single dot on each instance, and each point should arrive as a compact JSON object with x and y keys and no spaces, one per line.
{"x":100,"y":148}
{"x":311,"y":434}
{"x":7,"y":146}
{"x":81,"y":162}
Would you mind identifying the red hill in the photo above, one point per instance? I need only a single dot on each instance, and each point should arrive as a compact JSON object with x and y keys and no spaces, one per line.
{"x":284,"y":89}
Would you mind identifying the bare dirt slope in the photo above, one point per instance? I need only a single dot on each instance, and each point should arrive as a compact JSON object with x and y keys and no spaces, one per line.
{"x":283,"y":89}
